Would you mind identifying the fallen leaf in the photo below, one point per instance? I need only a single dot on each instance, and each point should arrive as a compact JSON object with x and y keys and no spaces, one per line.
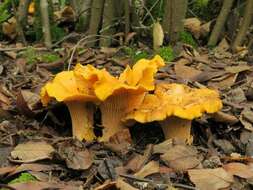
{"x":9,"y":28}
{"x":181,"y":157}
{"x":158,"y":35}
{"x":120,"y":142}
{"x":27,"y":102}
{"x":163,"y":147}
{"x":239,"y":169}
{"x":135,"y":163}
{"x":193,"y":25}
{"x":225,"y":118}
{"x":238,"y":69}
{"x":150,"y":168}
{"x":210,"y":179}
{"x":43,"y":186}
{"x":32,"y":151}
{"x":122,"y":185}
{"x":4,"y":101}
{"x":186,"y":72}
{"x":75,"y":158}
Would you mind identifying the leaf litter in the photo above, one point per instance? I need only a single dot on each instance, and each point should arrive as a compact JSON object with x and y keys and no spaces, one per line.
{"x":37,"y":139}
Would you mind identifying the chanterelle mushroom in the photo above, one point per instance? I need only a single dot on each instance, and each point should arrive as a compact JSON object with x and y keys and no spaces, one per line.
{"x":175,"y":105}
{"x":66,"y":87}
{"x":121,"y":95}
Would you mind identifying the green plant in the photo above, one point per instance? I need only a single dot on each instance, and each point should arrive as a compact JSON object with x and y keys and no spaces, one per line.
{"x":23,"y":178}
{"x":30,"y":55}
{"x":166,"y":53}
{"x":134,"y":54}
{"x":187,"y":38}
{"x":4,"y":11}
{"x":49,"y":57}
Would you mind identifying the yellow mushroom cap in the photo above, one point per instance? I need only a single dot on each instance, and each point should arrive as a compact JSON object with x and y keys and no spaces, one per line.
{"x":176,"y":100}
{"x":67,"y":87}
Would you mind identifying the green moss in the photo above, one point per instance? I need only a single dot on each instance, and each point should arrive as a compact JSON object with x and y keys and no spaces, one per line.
{"x":134,"y":54}
{"x":167,"y":53}
{"x":4,"y":10}
{"x":23,"y":178}
{"x":187,"y":38}
{"x":49,"y":57}
{"x":32,"y":56}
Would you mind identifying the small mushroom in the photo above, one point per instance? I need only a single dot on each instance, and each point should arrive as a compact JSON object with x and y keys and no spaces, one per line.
{"x":77,"y":95}
{"x":121,"y":95}
{"x":174,"y":106}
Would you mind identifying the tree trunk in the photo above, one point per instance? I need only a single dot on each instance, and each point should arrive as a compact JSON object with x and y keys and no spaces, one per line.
{"x":127,"y":16}
{"x":45,"y":23}
{"x":22,"y":11}
{"x":173,"y":22}
{"x":95,"y":19}
{"x":226,"y":7}
{"x":108,"y":21}
{"x":82,"y":10}
{"x":247,"y":18}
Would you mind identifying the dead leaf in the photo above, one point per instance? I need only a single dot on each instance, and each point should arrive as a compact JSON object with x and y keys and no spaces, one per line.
{"x":225,"y":118}
{"x":163,"y":147}
{"x":135,"y":163}
{"x":34,"y":167}
{"x":181,"y":157}
{"x":120,"y":142}
{"x":224,"y":83}
{"x":32,"y":151}
{"x":193,"y":25}
{"x":4,"y":101}
{"x":6,"y":170}
{"x":186,"y":72}
{"x":210,"y":179}
{"x":239,"y":169}
{"x":122,"y":185}
{"x":43,"y":186}
{"x":77,"y":159}
{"x":238,"y":69}
{"x":27,"y":102}
{"x":9,"y":28}
{"x":151,"y":168}
{"x":205,"y":29}
{"x":158,"y":35}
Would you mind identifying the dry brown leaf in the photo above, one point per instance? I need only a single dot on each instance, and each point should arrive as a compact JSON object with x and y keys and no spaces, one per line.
{"x":210,"y":179}
{"x":205,"y":29}
{"x":150,"y":168}
{"x":163,"y":147}
{"x":32,"y":151}
{"x":224,"y":83}
{"x":135,"y":163}
{"x":43,"y":186}
{"x":27,"y":102}
{"x":239,"y":169}
{"x":77,"y":159}
{"x":9,"y":28}
{"x":193,"y":25}
{"x":186,"y":72}
{"x":158,"y":35}
{"x":122,"y":185}
{"x":120,"y":142}
{"x":181,"y":157}
{"x":238,"y":69}
{"x":4,"y":101}
{"x":225,"y":118}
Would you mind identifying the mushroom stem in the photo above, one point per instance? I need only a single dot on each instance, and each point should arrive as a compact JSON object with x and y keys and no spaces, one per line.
{"x":175,"y":127}
{"x":113,"y":110}
{"x":82,"y":120}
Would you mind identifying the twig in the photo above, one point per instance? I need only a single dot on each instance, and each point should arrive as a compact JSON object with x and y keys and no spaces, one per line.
{"x":83,"y":40}
{"x":22,"y":48}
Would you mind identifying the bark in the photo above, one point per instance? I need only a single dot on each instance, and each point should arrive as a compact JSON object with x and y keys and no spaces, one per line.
{"x":45,"y":23}
{"x":247,"y":18}
{"x":173,"y":22}
{"x":19,"y":28}
{"x":108,"y":21}
{"x":22,"y":12}
{"x":226,"y":7}
{"x":95,"y":19}
{"x":127,"y":16}
{"x":82,"y":10}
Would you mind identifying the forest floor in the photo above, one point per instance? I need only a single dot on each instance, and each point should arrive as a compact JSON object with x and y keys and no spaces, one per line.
{"x":37,"y":151}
